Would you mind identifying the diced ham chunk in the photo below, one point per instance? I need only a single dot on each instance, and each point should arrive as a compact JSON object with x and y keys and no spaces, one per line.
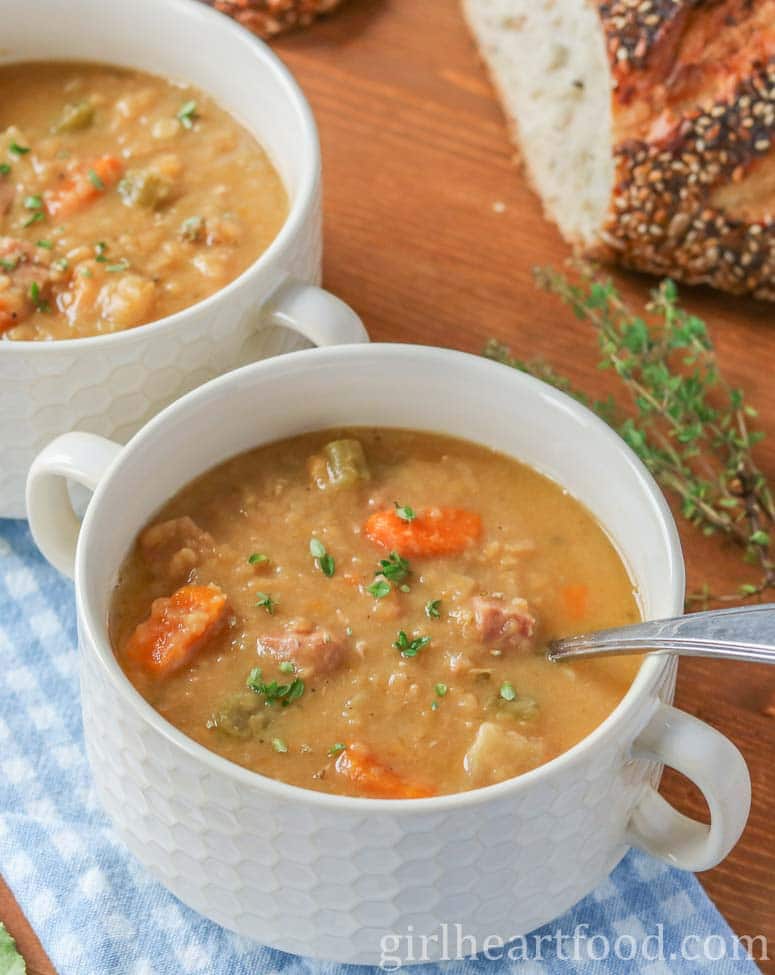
{"x":499,"y":753}
{"x":178,"y":627}
{"x":315,"y":654}
{"x":502,"y":624}
{"x":173,"y":548}
{"x":22,"y":272}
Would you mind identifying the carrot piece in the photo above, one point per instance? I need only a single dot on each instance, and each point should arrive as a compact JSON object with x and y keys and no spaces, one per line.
{"x":177,"y":628}
{"x":435,"y":531}
{"x":374,"y":780}
{"x":88,"y":182}
{"x":6,"y":318}
{"x":575,"y":598}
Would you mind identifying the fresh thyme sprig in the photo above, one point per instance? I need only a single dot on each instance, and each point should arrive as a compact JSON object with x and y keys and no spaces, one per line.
{"x":680,"y":416}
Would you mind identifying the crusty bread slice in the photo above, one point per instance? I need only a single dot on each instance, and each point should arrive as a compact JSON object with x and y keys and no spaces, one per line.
{"x":647,"y":127}
{"x":547,"y":59}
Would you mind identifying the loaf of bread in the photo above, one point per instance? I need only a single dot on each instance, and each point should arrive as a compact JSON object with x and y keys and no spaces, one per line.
{"x":270,"y":17}
{"x":647,"y":127}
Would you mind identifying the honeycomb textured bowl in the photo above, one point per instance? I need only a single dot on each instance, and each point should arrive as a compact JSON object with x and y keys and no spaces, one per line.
{"x":329,"y":876}
{"x":113,"y":386}
{"x":320,"y":880}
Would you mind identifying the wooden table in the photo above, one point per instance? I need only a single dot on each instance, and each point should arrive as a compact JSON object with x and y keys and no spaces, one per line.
{"x":418,"y":169}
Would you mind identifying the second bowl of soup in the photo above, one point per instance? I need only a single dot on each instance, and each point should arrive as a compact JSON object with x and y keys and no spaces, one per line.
{"x":124,"y":198}
{"x":159,"y":216}
{"x":314,"y":692}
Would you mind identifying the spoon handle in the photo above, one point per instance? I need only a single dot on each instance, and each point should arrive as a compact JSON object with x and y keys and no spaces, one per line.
{"x":741,"y":633}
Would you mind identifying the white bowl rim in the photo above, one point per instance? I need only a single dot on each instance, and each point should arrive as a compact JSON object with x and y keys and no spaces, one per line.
{"x":300,"y":204}
{"x":649,"y":673}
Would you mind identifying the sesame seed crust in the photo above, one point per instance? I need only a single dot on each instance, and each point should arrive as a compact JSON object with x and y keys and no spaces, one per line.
{"x":663,"y":219}
{"x":634,"y":28}
{"x":267,"y":18}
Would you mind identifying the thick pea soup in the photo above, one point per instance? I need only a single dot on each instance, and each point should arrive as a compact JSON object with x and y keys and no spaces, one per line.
{"x":124,"y":197}
{"x":365,"y":612}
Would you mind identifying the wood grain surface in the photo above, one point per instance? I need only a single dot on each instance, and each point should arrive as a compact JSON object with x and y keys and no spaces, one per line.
{"x":431,"y":234}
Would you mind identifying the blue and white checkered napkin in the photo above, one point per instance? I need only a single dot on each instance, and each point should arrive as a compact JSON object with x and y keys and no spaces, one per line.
{"x":96,"y":910}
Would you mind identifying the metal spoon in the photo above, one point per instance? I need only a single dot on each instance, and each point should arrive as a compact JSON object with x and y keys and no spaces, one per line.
{"x":741,"y":633}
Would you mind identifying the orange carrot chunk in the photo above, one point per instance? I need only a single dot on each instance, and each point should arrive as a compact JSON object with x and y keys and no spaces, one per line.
{"x":7,"y":319}
{"x":576,"y":599}
{"x":435,"y":531}
{"x":362,"y":770}
{"x":87,"y":183}
{"x":179,"y":626}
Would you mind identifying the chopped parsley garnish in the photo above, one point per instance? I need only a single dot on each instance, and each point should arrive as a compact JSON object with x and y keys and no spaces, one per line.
{"x":288,"y":667}
{"x":279,"y":745}
{"x":337,"y":749}
{"x":393,"y":568}
{"x":33,"y":202}
{"x":410,"y":648}
{"x":278,"y":692}
{"x":266,"y":602}
{"x":9,"y":265}
{"x":36,"y":299}
{"x":16,"y":150}
{"x":507,"y":691}
{"x":5,"y":169}
{"x":274,"y":693}
{"x":258,"y":558}
{"x":122,"y":265}
{"x":61,"y":265}
{"x":85,"y":272}
{"x":99,"y":252}
{"x":405,"y":588}
{"x":379,"y":588}
{"x":432,"y":609}
{"x":45,"y":244}
{"x":324,"y":560}
{"x":187,"y":114}
{"x":191,"y":228}
{"x":34,"y":217}
{"x":95,"y":180}
{"x":404,"y":512}
{"x":441,"y":691}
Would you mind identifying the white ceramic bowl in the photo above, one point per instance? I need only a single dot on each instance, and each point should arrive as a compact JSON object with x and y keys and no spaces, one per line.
{"x":330,"y":876}
{"x":111,"y":384}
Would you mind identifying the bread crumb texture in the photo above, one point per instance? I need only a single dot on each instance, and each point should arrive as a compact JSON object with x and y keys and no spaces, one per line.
{"x":268,"y":18}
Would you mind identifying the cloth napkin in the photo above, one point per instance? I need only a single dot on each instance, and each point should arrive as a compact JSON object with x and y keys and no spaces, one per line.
{"x":97,"y":912}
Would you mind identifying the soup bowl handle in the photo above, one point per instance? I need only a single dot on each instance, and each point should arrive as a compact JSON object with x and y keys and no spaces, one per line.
{"x":79,"y":457}
{"x":716,"y":767}
{"x":315,"y":313}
